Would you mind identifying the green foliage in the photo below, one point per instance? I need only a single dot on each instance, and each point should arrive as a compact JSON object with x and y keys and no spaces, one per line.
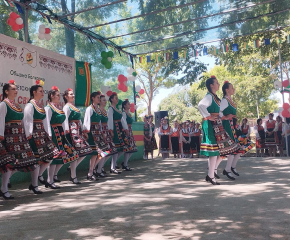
{"x":179,"y":107}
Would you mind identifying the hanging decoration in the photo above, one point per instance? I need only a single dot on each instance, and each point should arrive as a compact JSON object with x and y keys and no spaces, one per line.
{"x":44,"y":33}
{"x":107,"y":91}
{"x":15,"y":21}
{"x":132,"y":74}
{"x":122,"y":83}
{"x":285,"y":111}
{"x":133,"y":107}
{"x":107,"y":58}
{"x":277,"y":84}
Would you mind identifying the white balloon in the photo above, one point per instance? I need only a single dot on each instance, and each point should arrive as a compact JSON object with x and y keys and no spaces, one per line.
{"x":42,"y":26}
{"x":104,"y":89}
{"x":109,"y":59}
{"x":131,"y":78}
{"x":41,"y":36}
{"x":137,"y":88}
{"x":135,"y":107}
{"x":19,"y":21}
{"x":41,"y":30}
{"x":47,"y":36}
{"x":107,"y":97}
{"x":130,"y":70}
{"x":277,"y":84}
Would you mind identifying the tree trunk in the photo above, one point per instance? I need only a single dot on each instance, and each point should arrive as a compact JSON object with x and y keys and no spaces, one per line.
{"x":69,"y":34}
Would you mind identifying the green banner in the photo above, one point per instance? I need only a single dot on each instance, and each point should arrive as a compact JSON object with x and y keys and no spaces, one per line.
{"x":83,"y":84}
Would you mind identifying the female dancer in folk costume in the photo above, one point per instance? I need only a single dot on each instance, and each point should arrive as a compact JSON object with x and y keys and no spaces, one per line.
{"x":185,"y":141}
{"x":271,"y":141}
{"x":260,"y":137}
{"x":228,"y":113}
{"x":176,"y":139}
{"x":164,"y":133}
{"x":92,"y":126}
{"x":191,"y":128}
{"x":279,"y":135}
{"x":147,"y":138}
{"x":56,"y":128}
{"x":16,"y":153}
{"x":42,"y":146}
{"x":132,"y":144}
{"x":153,"y":139}
{"x":246,"y":128}
{"x":118,"y":128}
{"x":107,"y":137}
{"x":76,"y":137}
{"x":209,"y":108}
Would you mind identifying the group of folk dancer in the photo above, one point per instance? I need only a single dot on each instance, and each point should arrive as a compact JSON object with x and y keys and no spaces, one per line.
{"x":37,"y":138}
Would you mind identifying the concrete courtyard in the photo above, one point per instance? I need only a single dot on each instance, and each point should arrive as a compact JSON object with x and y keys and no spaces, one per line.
{"x":160,"y":199}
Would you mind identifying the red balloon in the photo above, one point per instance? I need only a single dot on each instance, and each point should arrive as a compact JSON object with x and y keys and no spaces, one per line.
{"x":132,"y":110}
{"x":14,"y":15}
{"x":132,"y":105}
{"x":142,"y":91}
{"x":120,"y":86}
{"x":286,"y":106}
{"x":285,"y":113}
{"x":21,"y":26}
{"x":285,"y":83}
{"x":125,"y":88}
{"x":122,"y":78}
{"x":15,"y":27}
{"x":10,"y":21}
{"x":109,"y":93}
{"x":47,"y":30}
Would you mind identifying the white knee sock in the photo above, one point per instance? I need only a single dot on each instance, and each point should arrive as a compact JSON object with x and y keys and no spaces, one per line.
{"x":114,"y":160}
{"x":236,"y":158}
{"x":5,"y":181}
{"x":42,"y":168}
{"x":101,"y":164}
{"x":50,"y":173}
{"x":126,"y":158}
{"x":218,"y":161}
{"x":229,"y":163}
{"x":73,"y":167}
{"x":211,"y":165}
{"x":34,"y":177}
{"x":58,"y":166}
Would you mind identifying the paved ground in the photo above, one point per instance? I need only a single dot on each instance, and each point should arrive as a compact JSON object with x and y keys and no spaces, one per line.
{"x":160,"y":199}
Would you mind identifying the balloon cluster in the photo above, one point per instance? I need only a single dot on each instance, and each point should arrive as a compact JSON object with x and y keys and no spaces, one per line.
{"x":107,"y":91}
{"x":15,"y":21}
{"x":133,"y":107}
{"x":132,"y":74}
{"x":278,"y":84}
{"x":107,"y":59}
{"x":139,"y":90}
{"x":285,"y":112}
{"x":44,"y":33}
{"x":122,"y":86}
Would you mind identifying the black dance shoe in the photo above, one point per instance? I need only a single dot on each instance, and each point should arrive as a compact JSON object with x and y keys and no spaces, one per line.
{"x":216,"y":176}
{"x":101,"y":175}
{"x":103,"y":171}
{"x":73,"y":180}
{"x":92,"y":178}
{"x":52,"y":185}
{"x":114,"y":171}
{"x":235,"y":172}
{"x":55,"y":179}
{"x":126,"y":167}
{"x":9,"y":185}
{"x":41,"y":181}
{"x":5,"y":197}
{"x":228,"y":175}
{"x":208,"y":179}
{"x":32,"y":188}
